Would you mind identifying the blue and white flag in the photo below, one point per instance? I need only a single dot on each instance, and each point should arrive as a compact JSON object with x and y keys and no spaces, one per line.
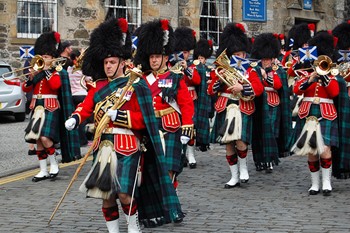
{"x":135,"y":41}
{"x":177,"y":56}
{"x":26,"y":51}
{"x":344,"y":55}
{"x":308,"y":53}
{"x":291,"y":43}
{"x":239,"y":63}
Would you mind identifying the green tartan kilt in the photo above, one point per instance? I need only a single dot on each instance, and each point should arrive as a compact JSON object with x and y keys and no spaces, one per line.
{"x":329,"y":128}
{"x":275,"y":117}
{"x":173,"y":149}
{"x":126,"y":168}
{"x":51,"y":124}
{"x":246,"y":126}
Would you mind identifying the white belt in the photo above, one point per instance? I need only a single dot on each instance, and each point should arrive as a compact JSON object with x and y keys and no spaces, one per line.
{"x":117,"y":131}
{"x":230,"y":96}
{"x":317,"y":100}
{"x":269,"y":89}
{"x":191,"y":88}
{"x":44,"y":96}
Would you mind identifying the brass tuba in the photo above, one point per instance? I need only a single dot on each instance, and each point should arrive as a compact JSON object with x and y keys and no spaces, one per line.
{"x":230,"y":75}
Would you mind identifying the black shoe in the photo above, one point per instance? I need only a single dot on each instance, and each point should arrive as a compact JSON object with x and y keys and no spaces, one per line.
{"x":32,"y":152}
{"x":245,"y":181}
{"x":227,"y":186}
{"x":51,"y":176}
{"x":326,"y":192}
{"x":178,"y":219}
{"x":314,"y":192}
{"x":193,"y":165}
{"x":37,"y":179}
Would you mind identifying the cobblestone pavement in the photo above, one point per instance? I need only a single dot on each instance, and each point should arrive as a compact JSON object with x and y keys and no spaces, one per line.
{"x":276,"y":202}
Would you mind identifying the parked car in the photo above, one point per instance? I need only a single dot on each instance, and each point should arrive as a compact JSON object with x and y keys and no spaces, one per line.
{"x":12,"y":97}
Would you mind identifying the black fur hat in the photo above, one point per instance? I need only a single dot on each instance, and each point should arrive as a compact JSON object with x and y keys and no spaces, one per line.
{"x":110,"y":39}
{"x":265,"y":45}
{"x":234,"y":39}
{"x":185,"y":39}
{"x":155,"y":37}
{"x":203,"y":48}
{"x":324,"y":42}
{"x":342,"y":32}
{"x":48,"y":44}
{"x":302,"y":34}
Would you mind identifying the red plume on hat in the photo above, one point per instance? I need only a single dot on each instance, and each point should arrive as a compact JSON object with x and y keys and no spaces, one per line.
{"x":47,"y":43}
{"x":241,"y":27}
{"x":312,"y":28}
{"x":123,"y":25}
{"x":281,"y":38}
{"x":165,"y":27}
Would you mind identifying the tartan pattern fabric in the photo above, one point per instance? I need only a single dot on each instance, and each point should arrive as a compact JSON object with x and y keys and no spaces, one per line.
{"x":202,"y":108}
{"x":70,"y":144}
{"x":173,"y":149}
{"x":51,"y":123}
{"x":156,"y":198}
{"x":341,"y":155}
{"x":246,"y":126}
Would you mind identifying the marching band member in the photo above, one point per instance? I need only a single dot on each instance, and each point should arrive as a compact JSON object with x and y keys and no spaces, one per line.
{"x":273,"y":116}
{"x":118,"y":151}
{"x":236,"y":104}
{"x":51,"y":101}
{"x":185,"y":41}
{"x":172,"y":102}
{"x":202,"y":51}
{"x":317,"y":125}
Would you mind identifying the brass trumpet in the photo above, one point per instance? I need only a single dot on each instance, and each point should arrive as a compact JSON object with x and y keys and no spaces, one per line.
{"x":231,"y":75}
{"x":324,"y":65}
{"x":37,"y":63}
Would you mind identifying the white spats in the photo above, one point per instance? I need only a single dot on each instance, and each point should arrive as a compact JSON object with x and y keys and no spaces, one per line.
{"x":113,"y":226}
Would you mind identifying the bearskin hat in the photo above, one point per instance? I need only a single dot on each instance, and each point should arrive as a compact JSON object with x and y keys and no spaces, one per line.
{"x":48,"y":44}
{"x":203,"y":48}
{"x":155,"y":37}
{"x":302,"y":34}
{"x":185,"y":39}
{"x":233,"y":39}
{"x":265,"y":45}
{"x":110,"y":39}
{"x":324,"y":42}
{"x":342,"y":32}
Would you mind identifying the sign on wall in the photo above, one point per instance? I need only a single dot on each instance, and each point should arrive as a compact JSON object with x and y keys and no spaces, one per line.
{"x":254,"y":10}
{"x":307,"y":4}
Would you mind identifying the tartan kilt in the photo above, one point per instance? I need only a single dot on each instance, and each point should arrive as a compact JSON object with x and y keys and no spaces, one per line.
{"x":126,"y":168}
{"x":246,"y":126}
{"x":51,"y":124}
{"x":173,"y":149}
{"x":329,"y":128}
{"x":275,"y":117}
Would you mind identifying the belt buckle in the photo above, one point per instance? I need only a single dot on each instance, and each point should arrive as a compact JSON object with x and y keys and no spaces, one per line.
{"x":316,"y":100}
{"x":39,"y":96}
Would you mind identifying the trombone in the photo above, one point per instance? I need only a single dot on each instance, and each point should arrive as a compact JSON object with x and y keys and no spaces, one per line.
{"x":37,"y":64}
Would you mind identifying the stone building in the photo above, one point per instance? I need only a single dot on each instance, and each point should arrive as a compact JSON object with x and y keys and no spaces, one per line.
{"x":21,"y":21}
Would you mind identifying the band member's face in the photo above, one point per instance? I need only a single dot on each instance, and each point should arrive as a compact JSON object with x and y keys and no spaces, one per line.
{"x":111,"y":64}
{"x":266,"y":62}
{"x":47,"y":60}
{"x":186,"y":55}
{"x":240,"y":54}
{"x":202,"y":59}
{"x":157,"y":61}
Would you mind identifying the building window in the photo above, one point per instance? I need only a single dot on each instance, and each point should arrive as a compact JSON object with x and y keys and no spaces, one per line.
{"x":214,"y":15}
{"x":128,"y":9}
{"x":35,"y":17}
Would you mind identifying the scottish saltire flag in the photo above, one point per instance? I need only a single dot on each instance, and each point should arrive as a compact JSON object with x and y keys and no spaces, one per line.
{"x":239,"y":63}
{"x":135,"y":41}
{"x":308,"y":53}
{"x":291,"y":43}
{"x":26,"y":51}
{"x":344,"y":55}
{"x":177,"y":56}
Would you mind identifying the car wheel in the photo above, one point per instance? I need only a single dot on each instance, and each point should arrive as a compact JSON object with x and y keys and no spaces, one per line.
{"x":20,"y":116}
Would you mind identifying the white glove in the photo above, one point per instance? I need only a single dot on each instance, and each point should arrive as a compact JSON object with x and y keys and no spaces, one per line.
{"x":70,"y":123}
{"x":112,"y":114}
{"x":184,"y":139}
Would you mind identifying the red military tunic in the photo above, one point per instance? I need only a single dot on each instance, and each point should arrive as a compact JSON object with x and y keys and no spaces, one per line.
{"x":46,"y":89}
{"x":193,"y":81}
{"x":273,"y":98}
{"x":316,"y":93}
{"x":246,"y":107}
